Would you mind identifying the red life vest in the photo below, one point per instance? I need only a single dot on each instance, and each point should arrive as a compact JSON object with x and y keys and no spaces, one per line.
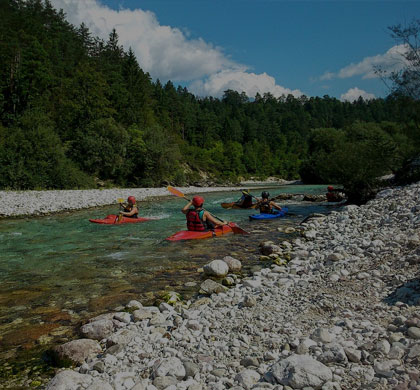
{"x":194,"y":221}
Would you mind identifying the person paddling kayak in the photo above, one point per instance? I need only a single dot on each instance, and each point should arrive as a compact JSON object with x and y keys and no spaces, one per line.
{"x":265,"y":205}
{"x":245,"y":201}
{"x":198,"y":219}
{"x":130,"y":209}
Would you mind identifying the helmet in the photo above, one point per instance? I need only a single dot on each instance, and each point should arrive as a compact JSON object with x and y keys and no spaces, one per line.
{"x":245,"y":192}
{"x":197,"y":201}
{"x":131,"y":199}
{"x":330,"y":188}
{"x":265,"y":195}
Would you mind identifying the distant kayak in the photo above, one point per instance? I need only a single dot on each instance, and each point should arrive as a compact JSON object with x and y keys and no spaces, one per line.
{"x":191,"y":235}
{"x":233,"y":205}
{"x":277,"y":214}
{"x":112,"y":219}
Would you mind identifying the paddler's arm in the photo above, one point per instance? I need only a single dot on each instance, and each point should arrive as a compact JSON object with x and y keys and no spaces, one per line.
{"x":275,"y":205}
{"x":208,"y":217}
{"x":187,"y":207}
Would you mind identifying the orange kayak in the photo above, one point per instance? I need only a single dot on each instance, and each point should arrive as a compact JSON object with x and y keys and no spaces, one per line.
{"x":191,"y":235}
{"x":112,"y":219}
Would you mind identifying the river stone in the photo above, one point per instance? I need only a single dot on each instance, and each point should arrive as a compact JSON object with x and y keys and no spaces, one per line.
{"x":100,"y":385}
{"x":353,"y":355}
{"x":216,"y":268}
{"x":121,"y":337}
{"x":133,"y":304}
{"x":383,"y":346}
{"x":247,"y":378}
{"x":169,"y":367}
{"x":299,"y":371}
{"x":123,"y":317}
{"x":233,"y":264}
{"x":414,"y":332}
{"x":385,"y":368}
{"x":68,"y":379}
{"x":249,"y":301}
{"x":162,"y":382}
{"x":210,"y":286}
{"x":190,"y":369}
{"x":78,"y":350}
{"x":97,"y":330}
{"x":142,"y":314}
{"x":267,"y":248}
{"x":321,"y":335}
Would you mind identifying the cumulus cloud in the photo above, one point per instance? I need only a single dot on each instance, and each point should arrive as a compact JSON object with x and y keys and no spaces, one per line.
{"x":392,"y":60}
{"x":166,"y":52}
{"x":354,"y":93}
{"x":250,"y":83}
{"x":163,"y":51}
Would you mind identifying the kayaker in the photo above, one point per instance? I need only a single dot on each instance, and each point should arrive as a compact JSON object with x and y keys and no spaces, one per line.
{"x":245,"y":201}
{"x":265,"y":205}
{"x":198,"y":219}
{"x":130,"y":209}
{"x":334,"y":195}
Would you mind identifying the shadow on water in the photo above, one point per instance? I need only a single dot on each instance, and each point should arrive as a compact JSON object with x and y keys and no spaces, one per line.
{"x":57,"y":271}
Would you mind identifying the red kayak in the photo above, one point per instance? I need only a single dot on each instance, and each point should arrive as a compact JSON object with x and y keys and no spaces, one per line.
{"x":112,"y":219}
{"x":191,"y":235}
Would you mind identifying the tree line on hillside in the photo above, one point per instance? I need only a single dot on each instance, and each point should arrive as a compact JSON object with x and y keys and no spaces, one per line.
{"x":76,"y":110}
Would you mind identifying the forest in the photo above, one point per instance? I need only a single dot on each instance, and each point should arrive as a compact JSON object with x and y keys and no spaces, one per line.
{"x":79,"y":112}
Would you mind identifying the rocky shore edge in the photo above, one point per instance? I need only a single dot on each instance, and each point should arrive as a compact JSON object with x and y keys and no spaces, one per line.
{"x":339,"y":308}
{"x":35,"y":203}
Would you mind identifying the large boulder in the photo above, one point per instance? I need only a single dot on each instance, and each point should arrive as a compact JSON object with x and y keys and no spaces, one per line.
{"x":299,"y":371}
{"x":69,"y":379}
{"x":209,"y":287}
{"x":77,"y":351}
{"x":97,"y":330}
{"x":233,"y":264}
{"x":216,"y":268}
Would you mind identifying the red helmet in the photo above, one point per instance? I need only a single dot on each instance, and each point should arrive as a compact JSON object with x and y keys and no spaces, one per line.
{"x":131,"y":199}
{"x":197,"y":201}
{"x":330,"y":188}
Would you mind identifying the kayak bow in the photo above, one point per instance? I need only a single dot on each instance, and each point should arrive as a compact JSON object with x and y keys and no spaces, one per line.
{"x":112,"y":219}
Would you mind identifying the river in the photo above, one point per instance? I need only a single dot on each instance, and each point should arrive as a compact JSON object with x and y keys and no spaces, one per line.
{"x":59,"y":270}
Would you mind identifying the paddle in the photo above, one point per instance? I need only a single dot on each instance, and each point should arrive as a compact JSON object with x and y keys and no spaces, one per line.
{"x":119,"y":217}
{"x":235,"y":228}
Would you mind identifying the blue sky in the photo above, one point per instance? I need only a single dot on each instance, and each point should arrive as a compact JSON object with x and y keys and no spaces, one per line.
{"x":314,"y":47}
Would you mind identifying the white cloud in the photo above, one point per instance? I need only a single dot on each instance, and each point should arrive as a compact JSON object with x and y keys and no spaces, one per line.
{"x":392,"y":60}
{"x":250,"y":83}
{"x":354,"y":93}
{"x":163,"y":51}
{"x":166,"y":52}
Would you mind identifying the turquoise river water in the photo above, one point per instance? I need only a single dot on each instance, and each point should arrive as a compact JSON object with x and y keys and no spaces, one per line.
{"x":56,"y":271}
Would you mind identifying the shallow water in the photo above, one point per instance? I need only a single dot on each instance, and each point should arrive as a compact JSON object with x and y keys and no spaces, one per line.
{"x":64,"y":263}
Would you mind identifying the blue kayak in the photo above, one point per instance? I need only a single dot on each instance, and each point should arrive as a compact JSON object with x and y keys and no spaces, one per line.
{"x":276,"y":214}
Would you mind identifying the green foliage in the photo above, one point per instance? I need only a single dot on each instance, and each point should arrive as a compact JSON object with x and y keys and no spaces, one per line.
{"x":356,"y":157}
{"x":31,"y":156}
{"x":74,"y":109}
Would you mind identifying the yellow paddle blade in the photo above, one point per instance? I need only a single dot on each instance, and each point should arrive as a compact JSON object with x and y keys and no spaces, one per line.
{"x":175,"y":192}
{"x":120,"y":200}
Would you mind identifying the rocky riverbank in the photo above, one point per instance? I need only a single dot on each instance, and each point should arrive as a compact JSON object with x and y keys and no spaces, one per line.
{"x":344,"y":313}
{"x":30,"y":203}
